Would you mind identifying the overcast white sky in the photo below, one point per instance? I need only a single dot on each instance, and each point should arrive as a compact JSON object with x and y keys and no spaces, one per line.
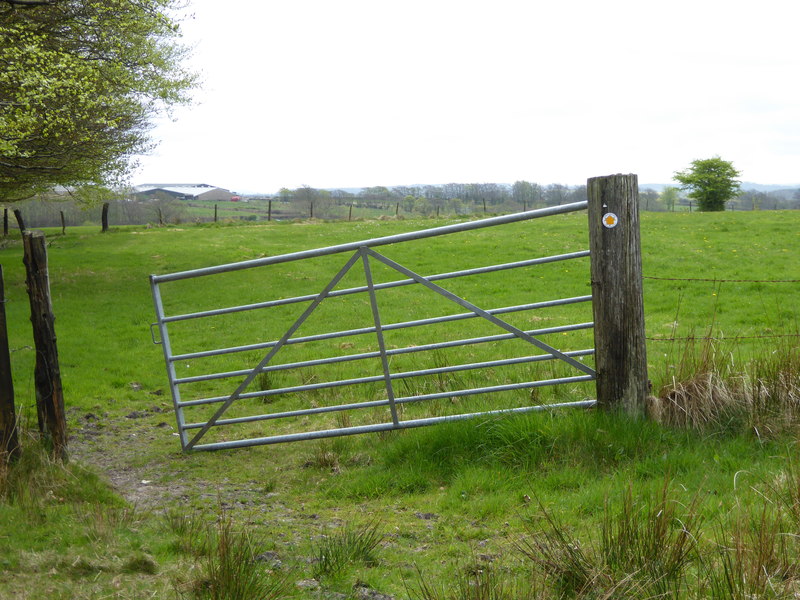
{"x":354,"y":93}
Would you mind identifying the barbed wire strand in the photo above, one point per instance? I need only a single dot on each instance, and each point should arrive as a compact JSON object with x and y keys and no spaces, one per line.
{"x":721,"y":339}
{"x":714,"y":280}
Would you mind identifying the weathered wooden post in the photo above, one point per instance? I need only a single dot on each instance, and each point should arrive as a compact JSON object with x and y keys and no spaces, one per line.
{"x":5,"y":222}
{"x":269,"y":211}
{"x":350,"y":213}
{"x":616,"y":271}
{"x":215,"y":213}
{"x":9,"y":441}
{"x":47,"y":374}
{"x":104,"y":218}
{"x":63,"y":223}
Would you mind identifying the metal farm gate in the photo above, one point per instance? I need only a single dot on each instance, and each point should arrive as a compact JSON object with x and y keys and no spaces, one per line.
{"x":290,"y":388}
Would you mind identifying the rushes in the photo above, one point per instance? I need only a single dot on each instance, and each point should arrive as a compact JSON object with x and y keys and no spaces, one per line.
{"x":478,"y":582}
{"x":655,"y":539}
{"x":656,"y":547}
{"x":644,"y":550}
{"x":756,"y":558}
{"x":231,"y":571}
{"x":558,"y":556}
{"x":352,"y":544}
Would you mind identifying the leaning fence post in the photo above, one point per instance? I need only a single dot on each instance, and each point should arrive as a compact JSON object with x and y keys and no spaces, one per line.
{"x":616,"y":271}
{"x":20,"y":220}
{"x":47,"y":374}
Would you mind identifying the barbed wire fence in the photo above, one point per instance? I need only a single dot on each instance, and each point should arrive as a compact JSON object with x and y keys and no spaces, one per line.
{"x":717,"y":281}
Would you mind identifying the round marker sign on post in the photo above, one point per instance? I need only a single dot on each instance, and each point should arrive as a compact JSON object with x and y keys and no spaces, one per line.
{"x":610,"y":220}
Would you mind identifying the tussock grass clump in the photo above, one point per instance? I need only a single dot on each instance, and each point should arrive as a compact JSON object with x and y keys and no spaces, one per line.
{"x":190,"y":531}
{"x":231,"y":571}
{"x":645,"y":549}
{"x":351,"y":544}
{"x":757,"y":557}
{"x":655,"y":539}
{"x":658,"y":547}
{"x":476,"y":582}
{"x":569,"y":566}
{"x":35,"y":480}
{"x":708,"y":391}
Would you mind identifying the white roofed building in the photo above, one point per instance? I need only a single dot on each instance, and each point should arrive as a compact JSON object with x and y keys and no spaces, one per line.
{"x":182,"y":191}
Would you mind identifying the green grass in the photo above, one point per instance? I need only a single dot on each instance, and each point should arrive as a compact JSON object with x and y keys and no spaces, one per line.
{"x":452,"y":504}
{"x":102,"y":299}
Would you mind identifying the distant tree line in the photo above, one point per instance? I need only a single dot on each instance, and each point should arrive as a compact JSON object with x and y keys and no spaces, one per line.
{"x":427,"y":200}
{"x":453,"y":199}
{"x":472,"y":198}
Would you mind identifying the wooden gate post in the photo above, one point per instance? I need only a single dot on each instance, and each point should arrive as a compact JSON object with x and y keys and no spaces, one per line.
{"x":9,"y":440}
{"x":47,"y":374}
{"x":620,"y":349}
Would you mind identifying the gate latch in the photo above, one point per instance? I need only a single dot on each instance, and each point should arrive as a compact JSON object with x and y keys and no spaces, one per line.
{"x":153,"y":334}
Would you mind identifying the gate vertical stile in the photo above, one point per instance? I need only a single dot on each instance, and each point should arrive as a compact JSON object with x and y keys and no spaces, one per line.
{"x":376,"y":317}
{"x":167,"y":348}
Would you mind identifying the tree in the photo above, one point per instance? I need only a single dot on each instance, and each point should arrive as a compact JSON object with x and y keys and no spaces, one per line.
{"x":522,"y":193}
{"x":305,"y":198}
{"x":647,"y":199}
{"x":80,"y":81}
{"x":556,"y":194}
{"x":669,"y":196}
{"x":711,"y":181}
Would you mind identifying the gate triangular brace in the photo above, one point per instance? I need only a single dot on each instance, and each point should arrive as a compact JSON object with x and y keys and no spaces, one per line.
{"x":479,"y":311}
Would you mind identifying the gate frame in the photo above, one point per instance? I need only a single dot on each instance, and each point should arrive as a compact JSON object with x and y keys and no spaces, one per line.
{"x":620,"y":376}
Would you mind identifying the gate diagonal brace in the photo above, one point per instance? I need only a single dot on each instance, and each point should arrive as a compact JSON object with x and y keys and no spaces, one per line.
{"x":479,"y":311}
{"x":289,"y":332}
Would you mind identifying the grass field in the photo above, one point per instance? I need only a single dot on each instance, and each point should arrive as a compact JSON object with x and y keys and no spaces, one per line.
{"x":486,"y":509}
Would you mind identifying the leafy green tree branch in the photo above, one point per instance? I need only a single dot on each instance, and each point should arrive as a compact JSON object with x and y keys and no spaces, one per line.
{"x":80,"y":82}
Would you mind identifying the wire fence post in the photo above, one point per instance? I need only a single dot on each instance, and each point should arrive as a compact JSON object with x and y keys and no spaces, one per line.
{"x":47,"y":373}
{"x":9,"y":441}
{"x":104,"y":217}
{"x":616,"y":271}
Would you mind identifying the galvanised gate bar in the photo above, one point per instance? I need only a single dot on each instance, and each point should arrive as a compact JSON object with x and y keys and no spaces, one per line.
{"x":239,"y":415}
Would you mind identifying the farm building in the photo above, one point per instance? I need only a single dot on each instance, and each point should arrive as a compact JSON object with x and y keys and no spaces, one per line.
{"x":182,"y":191}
